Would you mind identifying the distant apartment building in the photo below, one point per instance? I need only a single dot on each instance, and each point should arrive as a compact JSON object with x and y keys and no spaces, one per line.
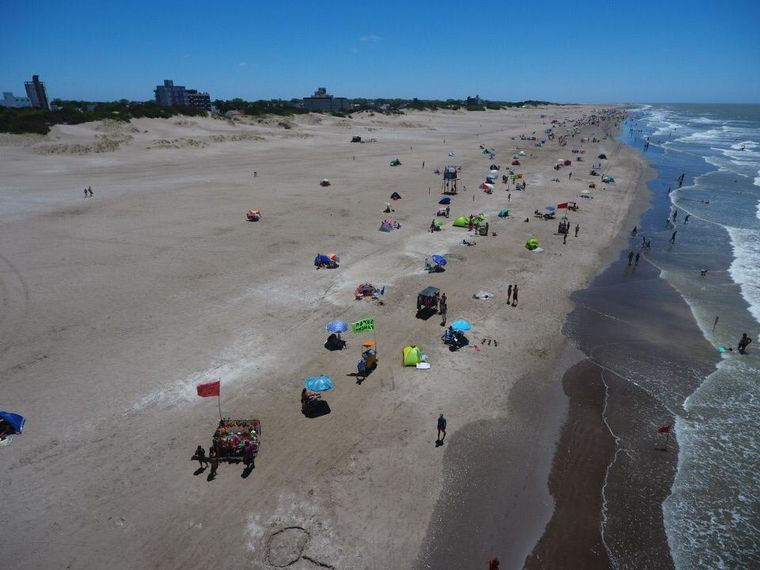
{"x":35,"y":90}
{"x":170,"y":95}
{"x":10,"y":100}
{"x":198,"y":100}
{"x":323,"y":101}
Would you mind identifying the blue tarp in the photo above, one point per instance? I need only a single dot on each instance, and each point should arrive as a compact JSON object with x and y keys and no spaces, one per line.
{"x":319,"y":383}
{"x":322,"y":259}
{"x":445,"y":200}
{"x":14,"y":420}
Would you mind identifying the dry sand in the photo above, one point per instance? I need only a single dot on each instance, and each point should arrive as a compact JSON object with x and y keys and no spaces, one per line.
{"x":115,"y":307}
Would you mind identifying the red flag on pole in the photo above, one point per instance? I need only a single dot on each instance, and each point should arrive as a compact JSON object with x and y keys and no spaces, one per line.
{"x":664,"y":429}
{"x":209,"y":389}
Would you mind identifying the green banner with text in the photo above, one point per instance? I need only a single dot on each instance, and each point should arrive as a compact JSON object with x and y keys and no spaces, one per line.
{"x":363,"y":325}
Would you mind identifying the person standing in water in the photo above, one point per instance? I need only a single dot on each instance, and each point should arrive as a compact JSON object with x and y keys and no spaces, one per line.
{"x":744,"y":342}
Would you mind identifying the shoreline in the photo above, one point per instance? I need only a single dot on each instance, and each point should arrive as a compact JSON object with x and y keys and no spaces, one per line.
{"x":639,"y":476}
{"x":500,"y":498}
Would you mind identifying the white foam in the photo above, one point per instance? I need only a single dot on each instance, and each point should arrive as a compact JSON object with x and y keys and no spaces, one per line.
{"x":745,"y":268}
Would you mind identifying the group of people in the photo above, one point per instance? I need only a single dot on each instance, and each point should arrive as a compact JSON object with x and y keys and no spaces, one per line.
{"x":512,"y":295}
{"x":88,"y":192}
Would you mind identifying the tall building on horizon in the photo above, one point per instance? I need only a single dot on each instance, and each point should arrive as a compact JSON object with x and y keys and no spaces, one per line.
{"x":198,"y":100}
{"x":323,"y":101}
{"x":170,"y":95}
{"x":35,"y":90}
{"x":10,"y":100}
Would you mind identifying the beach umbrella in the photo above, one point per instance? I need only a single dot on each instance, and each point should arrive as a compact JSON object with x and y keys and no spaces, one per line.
{"x":461,"y":325}
{"x":319,"y":383}
{"x":550,"y":208}
{"x":336,"y":326}
{"x":16,"y":421}
{"x":439,"y":260}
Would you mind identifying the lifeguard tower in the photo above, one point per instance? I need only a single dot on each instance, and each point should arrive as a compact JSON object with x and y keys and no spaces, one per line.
{"x":450,"y":182}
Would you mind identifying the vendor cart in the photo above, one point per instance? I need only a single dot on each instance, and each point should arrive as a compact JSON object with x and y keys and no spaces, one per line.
{"x":232,"y":436}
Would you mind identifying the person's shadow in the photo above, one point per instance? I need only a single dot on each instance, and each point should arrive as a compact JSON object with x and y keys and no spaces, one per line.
{"x":248,"y":470}
{"x":438,"y":442}
{"x":199,"y":471}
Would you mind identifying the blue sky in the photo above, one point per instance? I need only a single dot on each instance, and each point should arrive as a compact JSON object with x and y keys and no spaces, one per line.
{"x":563,"y":51}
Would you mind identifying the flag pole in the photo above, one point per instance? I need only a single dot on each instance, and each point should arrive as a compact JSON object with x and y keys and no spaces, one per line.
{"x":219,"y":401}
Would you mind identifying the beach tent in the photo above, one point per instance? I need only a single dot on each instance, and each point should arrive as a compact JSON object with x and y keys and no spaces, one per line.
{"x":494,"y":171}
{"x":531,"y":244}
{"x":486,"y":187}
{"x":608,"y":179}
{"x":395,"y":196}
{"x":461,"y":222}
{"x":395,"y":162}
{"x":324,"y":182}
{"x":387,"y":226}
{"x":503,"y":213}
{"x":602,"y":156}
{"x":438,"y":223}
{"x":445,"y":200}
{"x":491,"y":178}
{"x":14,"y":422}
{"x":253,"y":215}
{"x":515,"y":162}
{"x":450,"y":173}
{"x":412,"y":355}
{"x":494,"y":167}
{"x":356,"y":139}
{"x":567,"y":163}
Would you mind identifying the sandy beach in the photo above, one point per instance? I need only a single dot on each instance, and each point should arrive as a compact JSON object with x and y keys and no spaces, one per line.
{"x":115,"y":307}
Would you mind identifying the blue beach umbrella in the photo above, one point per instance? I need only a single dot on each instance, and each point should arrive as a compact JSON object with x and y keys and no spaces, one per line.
{"x":550,"y":208}
{"x":445,"y":200}
{"x":461,"y":325}
{"x":336,"y":326}
{"x":439,"y":260}
{"x":319,"y":383}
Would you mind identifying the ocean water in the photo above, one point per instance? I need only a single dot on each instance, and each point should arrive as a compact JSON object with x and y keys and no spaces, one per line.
{"x":712,"y":517}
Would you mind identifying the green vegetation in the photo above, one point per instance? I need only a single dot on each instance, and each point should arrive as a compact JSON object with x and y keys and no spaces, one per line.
{"x":75,"y":112}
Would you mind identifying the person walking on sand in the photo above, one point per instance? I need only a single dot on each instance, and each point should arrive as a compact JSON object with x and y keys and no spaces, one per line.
{"x":213,"y":460}
{"x":441,"y":429}
{"x":744,"y":342}
{"x":443,"y":308}
{"x":89,"y":189}
{"x":634,"y":231}
{"x":514,"y":296}
{"x":570,"y":176}
{"x":630,"y":257}
{"x":509,"y":197}
{"x":636,"y":261}
{"x":200,"y":455}
{"x":85,"y":192}
{"x":423,"y":164}
{"x":509,"y":294}
{"x":577,"y":228}
{"x":686,"y":219}
{"x":673,"y":237}
{"x":564,"y":238}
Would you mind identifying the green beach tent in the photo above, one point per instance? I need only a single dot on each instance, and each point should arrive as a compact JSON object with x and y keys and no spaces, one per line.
{"x":461,"y":222}
{"x":412,"y":355}
{"x":531,"y":244}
